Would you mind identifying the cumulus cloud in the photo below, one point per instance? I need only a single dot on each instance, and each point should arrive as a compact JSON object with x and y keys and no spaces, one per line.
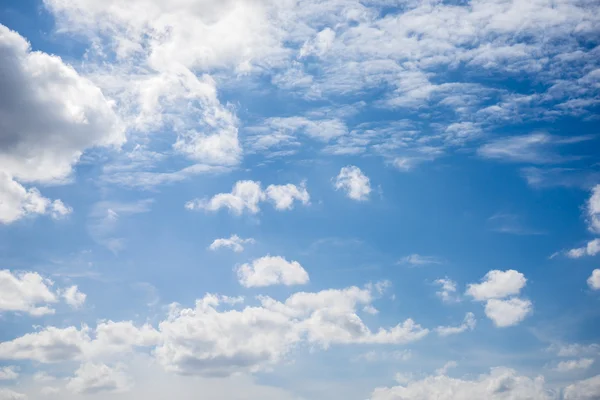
{"x":246,"y":196}
{"x":26,"y":292}
{"x":356,"y":184}
{"x":74,"y":297}
{"x":9,"y":373}
{"x":7,"y":394}
{"x":271,"y":270}
{"x":500,"y":383}
{"x":447,"y":290}
{"x":494,"y":288}
{"x":570,"y":365}
{"x":593,"y":210}
{"x":590,"y":249}
{"x":234,"y":243}
{"x":93,"y":378}
{"x":17,"y":202}
{"x":497,"y":284}
{"x":586,"y":389}
{"x":594,"y":280}
{"x":468,"y":324}
{"x":507,"y":312}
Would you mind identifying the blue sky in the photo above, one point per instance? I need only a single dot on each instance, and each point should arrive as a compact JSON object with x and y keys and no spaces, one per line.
{"x":377,"y":199}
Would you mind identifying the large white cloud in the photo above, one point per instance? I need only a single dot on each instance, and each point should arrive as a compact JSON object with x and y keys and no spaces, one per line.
{"x":50,"y":114}
{"x":271,"y":270}
{"x":507,"y":312}
{"x":594,"y":280}
{"x":587,"y":389}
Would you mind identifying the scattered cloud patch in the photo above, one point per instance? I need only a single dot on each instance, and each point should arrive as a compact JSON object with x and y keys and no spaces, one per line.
{"x":93,"y":378}
{"x":356,"y":184}
{"x":594,"y":280}
{"x":447,"y":290}
{"x":468,"y":324}
{"x":570,"y":365}
{"x":234,"y":243}
{"x":590,"y":249}
{"x":417,"y":260}
{"x":74,"y":297}
{"x":246,"y":196}
{"x":9,"y":373}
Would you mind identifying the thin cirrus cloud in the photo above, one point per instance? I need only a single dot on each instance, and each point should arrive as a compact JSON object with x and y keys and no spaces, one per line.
{"x":417,"y":260}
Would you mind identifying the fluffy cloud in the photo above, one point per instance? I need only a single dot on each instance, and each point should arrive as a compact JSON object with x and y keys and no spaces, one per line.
{"x":246,"y":196}
{"x":590,"y":249}
{"x":24,"y":292}
{"x":54,"y":345}
{"x":356,"y":184}
{"x":594,"y":280}
{"x":235,"y":243}
{"x":494,"y":288}
{"x":447,"y":291}
{"x":74,"y":297}
{"x":269,"y":270}
{"x":497,"y":284}
{"x":17,"y":202}
{"x":468,"y":324}
{"x":93,"y":378}
{"x":570,"y":365}
{"x":50,"y":113}
{"x":587,"y":389}
{"x":593,"y":210}
{"x":500,"y":383}
{"x":507,"y":312}
{"x":8,"y":373}
{"x":206,"y":341}
{"x":7,"y":394}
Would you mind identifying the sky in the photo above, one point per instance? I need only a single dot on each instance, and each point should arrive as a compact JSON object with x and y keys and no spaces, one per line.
{"x":294,"y":200}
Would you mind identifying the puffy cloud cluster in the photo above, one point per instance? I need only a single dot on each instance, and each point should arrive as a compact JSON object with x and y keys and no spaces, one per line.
{"x":594,"y":280}
{"x":30,"y":293}
{"x":247,"y":195}
{"x":211,"y":340}
{"x":494,"y":289}
{"x":271,"y":270}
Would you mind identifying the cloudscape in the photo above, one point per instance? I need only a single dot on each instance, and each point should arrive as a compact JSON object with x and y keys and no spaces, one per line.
{"x":300,"y":199}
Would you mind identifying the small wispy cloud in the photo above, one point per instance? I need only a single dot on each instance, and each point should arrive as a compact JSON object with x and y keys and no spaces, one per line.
{"x":417,"y":260}
{"x":510,"y":224}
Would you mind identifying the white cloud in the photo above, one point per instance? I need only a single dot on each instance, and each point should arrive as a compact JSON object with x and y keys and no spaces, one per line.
{"x":74,"y":297}
{"x":590,"y":249}
{"x":49,"y":390}
{"x":7,"y":394}
{"x":206,"y":341}
{"x":17,"y":202}
{"x":570,"y":365}
{"x":378,"y":356}
{"x":594,"y":280}
{"x":51,"y":114}
{"x":25,"y":292}
{"x":593,"y":210}
{"x":246,"y":196}
{"x":508,"y":312}
{"x":9,"y":373}
{"x":586,"y":389}
{"x":235,"y":243}
{"x":497,"y":284}
{"x":448,"y":290}
{"x":271,"y":270}
{"x":417,"y":260}
{"x":446,"y":367}
{"x":499,"y":384}
{"x":93,"y":378}
{"x":319,"y":129}
{"x":536,"y":148}
{"x":356,"y":184}
{"x":468,"y":324}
